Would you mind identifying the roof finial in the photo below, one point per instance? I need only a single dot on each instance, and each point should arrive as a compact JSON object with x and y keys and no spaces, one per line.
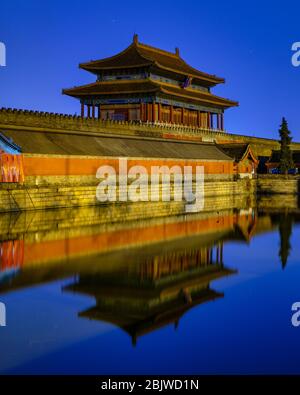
{"x":135,"y":38}
{"x":177,"y":51}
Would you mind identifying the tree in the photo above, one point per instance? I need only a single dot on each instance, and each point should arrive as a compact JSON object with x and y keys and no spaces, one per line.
{"x":286,"y":156}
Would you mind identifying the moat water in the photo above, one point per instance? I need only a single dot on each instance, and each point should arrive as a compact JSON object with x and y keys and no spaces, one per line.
{"x":210,"y":293}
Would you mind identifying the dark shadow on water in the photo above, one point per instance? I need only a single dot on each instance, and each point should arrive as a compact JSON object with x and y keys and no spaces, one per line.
{"x":285,"y":232}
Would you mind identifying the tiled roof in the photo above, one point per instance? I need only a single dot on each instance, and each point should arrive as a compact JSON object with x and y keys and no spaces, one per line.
{"x":138,"y":55}
{"x":113,"y":87}
{"x":120,"y":88}
{"x":193,"y":94}
{"x":116,"y":146}
{"x":235,"y":150}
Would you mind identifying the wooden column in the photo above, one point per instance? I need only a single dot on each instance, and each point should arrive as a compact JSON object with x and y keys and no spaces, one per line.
{"x":199,"y":119}
{"x":82,"y":110}
{"x":150,"y":112}
{"x":218,"y":121}
{"x":93,"y":110}
{"x":99,"y":112}
{"x":159,"y":112}
{"x":89,"y":111}
{"x":153,"y":112}
{"x":182,"y":115}
{"x":222,"y":121}
{"x":171,"y":114}
{"x":142,"y":112}
{"x":142,"y":115}
{"x":208,"y":120}
{"x":149,"y":115}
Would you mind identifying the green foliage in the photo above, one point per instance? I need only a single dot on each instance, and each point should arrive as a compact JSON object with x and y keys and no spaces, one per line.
{"x":286,"y":157}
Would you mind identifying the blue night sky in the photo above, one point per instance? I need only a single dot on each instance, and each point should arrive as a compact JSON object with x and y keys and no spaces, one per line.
{"x":248,"y":43}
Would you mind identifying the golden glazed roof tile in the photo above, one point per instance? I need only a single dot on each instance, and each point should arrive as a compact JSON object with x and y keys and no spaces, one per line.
{"x":146,"y":86}
{"x":140,"y":55}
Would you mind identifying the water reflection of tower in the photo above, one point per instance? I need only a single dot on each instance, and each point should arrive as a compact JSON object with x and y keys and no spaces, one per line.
{"x":285,"y":233}
{"x":156,"y":292}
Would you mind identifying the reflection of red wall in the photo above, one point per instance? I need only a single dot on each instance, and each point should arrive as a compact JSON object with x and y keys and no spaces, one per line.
{"x":56,"y":249}
{"x":11,"y":254}
{"x":17,"y":253}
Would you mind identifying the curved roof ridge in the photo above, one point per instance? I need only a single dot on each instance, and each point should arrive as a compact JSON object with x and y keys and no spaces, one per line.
{"x":67,"y":91}
{"x":177,"y":56}
{"x":238,"y":150}
{"x":139,"y":54}
{"x":81,"y":89}
{"x":208,"y":94}
{"x":208,"y":97}
{"x":107,"y":58}
{"x":149,"y":85}
{"x":91,"y":62}
{"x":154,"y":49}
